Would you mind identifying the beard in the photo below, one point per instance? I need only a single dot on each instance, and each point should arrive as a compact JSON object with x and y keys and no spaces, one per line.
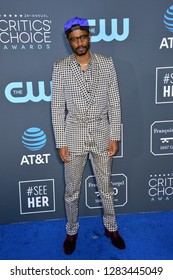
{"x":81,"y":50}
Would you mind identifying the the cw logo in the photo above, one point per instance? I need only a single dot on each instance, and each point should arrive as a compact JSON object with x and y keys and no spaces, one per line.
{"x":114,"y":29}
{"x":22,"y":92}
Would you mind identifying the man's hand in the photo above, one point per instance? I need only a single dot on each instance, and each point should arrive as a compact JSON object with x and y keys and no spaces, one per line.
{"x":113,"y":147}
{"x":64,"y":154}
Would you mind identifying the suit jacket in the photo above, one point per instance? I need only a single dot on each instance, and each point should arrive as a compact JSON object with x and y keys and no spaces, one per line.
{"x":79,"y":113}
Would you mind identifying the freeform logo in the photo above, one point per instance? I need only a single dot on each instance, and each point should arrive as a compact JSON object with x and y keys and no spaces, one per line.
{"x":37,"y":196}
{"x":160,"y":187}
{"x":164,"y":85}
{"x":27,"y":31}
{"x":22,"y":92}
{"x":113,"y":32}
{"x":34,"y":139}
{"x":92,"y":195}
{"x":167,"y":42}
{"x":161,"y":138}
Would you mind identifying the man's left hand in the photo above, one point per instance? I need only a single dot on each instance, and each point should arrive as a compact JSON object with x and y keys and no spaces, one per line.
{"x":113,"y":147}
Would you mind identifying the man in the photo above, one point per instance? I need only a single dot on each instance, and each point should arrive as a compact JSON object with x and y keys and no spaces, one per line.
{"x":86,"y":118}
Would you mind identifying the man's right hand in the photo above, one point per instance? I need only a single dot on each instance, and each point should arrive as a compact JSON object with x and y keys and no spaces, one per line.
{"x":64,"y":154}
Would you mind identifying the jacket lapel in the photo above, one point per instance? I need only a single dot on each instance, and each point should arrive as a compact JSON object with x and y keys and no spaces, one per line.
{"x":76,"y":72}
{"x":88,"y":95}
{"x":95,"y":75}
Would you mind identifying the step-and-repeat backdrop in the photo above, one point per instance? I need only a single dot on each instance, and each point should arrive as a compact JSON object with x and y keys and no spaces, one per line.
{"x":138,"y":35}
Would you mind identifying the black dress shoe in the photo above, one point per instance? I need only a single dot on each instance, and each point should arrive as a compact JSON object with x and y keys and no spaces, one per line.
{"x":116,"y":239}
{"x":70,"y":244}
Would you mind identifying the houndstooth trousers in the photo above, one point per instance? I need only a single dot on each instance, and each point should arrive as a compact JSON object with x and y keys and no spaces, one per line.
{"x":101,"y":164}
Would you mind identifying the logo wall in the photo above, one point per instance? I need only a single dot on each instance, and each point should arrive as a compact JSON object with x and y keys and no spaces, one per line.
{"x":160,"y":185}
{"x":30,"y":31}
{"x":33,"y":31}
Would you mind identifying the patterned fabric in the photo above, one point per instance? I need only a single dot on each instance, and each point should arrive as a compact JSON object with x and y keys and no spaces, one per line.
{"x":73,"y":176}
{"x":86,"y":114}
{"x":96,"y":111}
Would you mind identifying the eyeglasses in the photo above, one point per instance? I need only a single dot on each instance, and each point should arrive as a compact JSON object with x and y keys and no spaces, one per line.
{"x":83,"y":38}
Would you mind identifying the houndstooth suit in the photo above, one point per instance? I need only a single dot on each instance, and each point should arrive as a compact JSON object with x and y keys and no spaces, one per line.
{"x":93,"y":117}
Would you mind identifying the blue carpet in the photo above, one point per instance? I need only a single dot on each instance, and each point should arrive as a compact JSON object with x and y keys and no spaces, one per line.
{"x":148,"y":236}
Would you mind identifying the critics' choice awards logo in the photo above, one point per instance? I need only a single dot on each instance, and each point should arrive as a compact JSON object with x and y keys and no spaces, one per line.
{"x":92,"y":195}
{"x":101,"y":30}
{"x":167,"y":42}
{"x":22,"y":92}
{"x":161,"y":138}
{"x":26,"y":31}
{"x":37,"y":196}
{"x":34,"y":139}
{"x":160,"y":187}
{"x":164,"y":85}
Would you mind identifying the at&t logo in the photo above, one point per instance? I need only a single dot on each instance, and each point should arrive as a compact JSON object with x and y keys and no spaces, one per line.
{"x":168,"y":19}
{"x":106,"y":35}
{"x":167,"y":42}
{"x":34,"y":139}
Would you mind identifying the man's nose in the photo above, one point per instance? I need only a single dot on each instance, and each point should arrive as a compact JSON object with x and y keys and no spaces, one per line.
{"x":79,"y":41}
